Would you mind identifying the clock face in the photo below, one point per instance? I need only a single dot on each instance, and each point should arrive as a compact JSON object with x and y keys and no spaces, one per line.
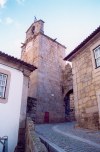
{"x":33,"y":29}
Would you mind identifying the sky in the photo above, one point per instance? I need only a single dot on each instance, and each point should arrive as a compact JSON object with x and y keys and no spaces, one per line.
{"x":70,"y":21}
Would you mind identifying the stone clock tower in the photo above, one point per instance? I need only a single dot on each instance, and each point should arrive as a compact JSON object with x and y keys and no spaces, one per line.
{"x":46,"y":82}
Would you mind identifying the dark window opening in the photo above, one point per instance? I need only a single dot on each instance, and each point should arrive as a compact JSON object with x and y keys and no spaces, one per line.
{"x":33,"y":29}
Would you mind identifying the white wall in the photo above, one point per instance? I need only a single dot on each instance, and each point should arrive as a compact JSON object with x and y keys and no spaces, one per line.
{"x":10,"y":112}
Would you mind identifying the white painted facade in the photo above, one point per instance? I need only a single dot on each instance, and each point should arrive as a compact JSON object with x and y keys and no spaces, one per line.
{"x":10,"y":111}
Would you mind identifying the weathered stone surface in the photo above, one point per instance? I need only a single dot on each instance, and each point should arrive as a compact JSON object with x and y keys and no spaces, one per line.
{"x":46,"y":81}
{"x":86,"y":86}
{"x":31,"y":108}
{"x":68,"y":92}
{"x":33,"y":143}
{"x":67,"y":79}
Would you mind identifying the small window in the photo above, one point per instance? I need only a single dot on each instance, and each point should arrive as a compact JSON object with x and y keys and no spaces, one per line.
{"x":33,"y":29}
{"x":3,"y":83}
{"x":97,"y":56}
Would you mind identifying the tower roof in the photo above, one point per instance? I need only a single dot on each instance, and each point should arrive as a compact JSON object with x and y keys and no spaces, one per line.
{"x":33,"y":24}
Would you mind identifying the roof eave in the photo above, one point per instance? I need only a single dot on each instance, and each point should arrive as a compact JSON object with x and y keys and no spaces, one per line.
{"x":18,"y":61}
{"x":70,"y":55}
{"x":53,"y":40}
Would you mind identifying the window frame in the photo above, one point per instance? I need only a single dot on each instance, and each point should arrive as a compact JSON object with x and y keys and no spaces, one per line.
{"x":5,"y":85}
{"x":5,"y":98}
{"x":95,"y":57}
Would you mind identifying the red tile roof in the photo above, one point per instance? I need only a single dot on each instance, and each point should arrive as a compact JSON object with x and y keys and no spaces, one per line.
{"x":83,"y":43}
{"x":15,"y":60}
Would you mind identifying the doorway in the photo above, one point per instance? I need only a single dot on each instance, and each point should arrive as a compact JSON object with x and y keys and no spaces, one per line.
{"x":46,"y":117}
{"x":69,"y":106}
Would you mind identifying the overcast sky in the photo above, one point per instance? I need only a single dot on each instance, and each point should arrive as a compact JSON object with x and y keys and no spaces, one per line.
{"x":70,"y":21}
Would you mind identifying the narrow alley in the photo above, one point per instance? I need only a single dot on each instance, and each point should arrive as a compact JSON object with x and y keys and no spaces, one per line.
{"x":65,"y":137}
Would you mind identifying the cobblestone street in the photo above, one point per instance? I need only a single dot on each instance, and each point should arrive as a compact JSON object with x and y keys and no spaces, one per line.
{"x":70,"y":139}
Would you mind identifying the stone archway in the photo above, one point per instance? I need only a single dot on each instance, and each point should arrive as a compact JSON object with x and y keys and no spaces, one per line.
{"x":69,"y":106}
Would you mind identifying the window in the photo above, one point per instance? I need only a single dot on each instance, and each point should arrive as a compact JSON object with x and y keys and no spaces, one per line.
{"x":97,"y":56}
{"x":5,"y":78}
{"x":3,"y":83}
{"x":33,"y":29}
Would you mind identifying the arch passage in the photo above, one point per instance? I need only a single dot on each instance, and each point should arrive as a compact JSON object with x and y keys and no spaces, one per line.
{"x":69,"y":106}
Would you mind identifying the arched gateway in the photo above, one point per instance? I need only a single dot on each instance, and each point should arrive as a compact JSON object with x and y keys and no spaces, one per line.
{"x":69,"y":106}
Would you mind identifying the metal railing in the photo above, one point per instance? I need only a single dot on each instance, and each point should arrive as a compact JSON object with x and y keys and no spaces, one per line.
{"x":4,"y":142}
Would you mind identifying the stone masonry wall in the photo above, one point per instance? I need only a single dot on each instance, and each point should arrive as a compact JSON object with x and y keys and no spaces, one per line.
{"x":30,"y":54}
{"x":86,"y":84}
{"x":66,"y":88}
{"x":67,"y":79}
{"x":46,"y":82}
{"x":33,"y":143}
{"x":50,"y":98}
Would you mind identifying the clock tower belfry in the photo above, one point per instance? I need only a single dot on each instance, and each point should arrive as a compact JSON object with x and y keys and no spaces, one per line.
{"x":35,"y":28}
{"x":31,"y":45}
{"x":46,"y":82}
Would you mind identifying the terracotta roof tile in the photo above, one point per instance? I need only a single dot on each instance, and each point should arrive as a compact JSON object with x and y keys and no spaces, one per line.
{"x":83,"y":43}
{"x":13,"y":59}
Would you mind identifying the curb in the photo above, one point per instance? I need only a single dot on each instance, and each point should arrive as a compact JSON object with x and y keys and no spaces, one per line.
{"x":76,"y":137}
{"x":50,"y":146}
